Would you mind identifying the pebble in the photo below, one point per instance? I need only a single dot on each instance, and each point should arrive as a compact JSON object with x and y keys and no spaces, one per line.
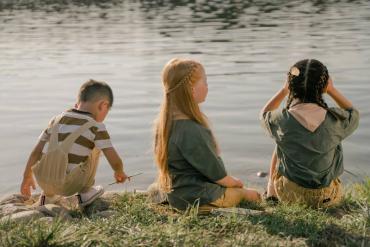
{"x":22,"y":216}
{"x":14,"y":198}
{"x":47,"y":220}
{"x":106,"y":214}
{"x":155,"y":195}
{"x":12,"y":208}
{"x":262,"y":174}
{"x":54,"y":211}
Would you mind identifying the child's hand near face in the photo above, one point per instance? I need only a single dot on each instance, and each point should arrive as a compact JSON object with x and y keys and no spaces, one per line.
{"x":120,"y":177}
{"x":286,"y":87}
{"x":330,"y":86}
{"x":26,"y":186}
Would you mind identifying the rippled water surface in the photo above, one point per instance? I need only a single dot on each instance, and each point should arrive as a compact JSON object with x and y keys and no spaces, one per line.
{"x":47,"y":51}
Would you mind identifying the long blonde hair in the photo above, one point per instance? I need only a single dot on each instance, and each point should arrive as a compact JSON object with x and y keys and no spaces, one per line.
{"x":178,"y":78}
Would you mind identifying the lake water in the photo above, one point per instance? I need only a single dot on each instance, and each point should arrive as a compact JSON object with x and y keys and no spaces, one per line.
{"x":48,"y":51}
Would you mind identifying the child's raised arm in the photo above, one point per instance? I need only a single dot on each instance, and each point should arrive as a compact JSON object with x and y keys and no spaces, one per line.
{"x":28,"y":180}
{"x":116,"y":163}
{"x":276,"y":100}
{"x":339,"y":98}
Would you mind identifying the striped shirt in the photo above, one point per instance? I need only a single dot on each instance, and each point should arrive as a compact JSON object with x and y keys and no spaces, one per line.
{"x":96,"y":136}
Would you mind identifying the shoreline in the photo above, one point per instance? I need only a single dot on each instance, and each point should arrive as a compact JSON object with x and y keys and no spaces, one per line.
{"x":127,"y":219}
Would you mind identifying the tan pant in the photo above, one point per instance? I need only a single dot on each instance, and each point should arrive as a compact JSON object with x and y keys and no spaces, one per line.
{"x":78,"y":180}
{"x":231,"y":198}
{"x":290,"y":192}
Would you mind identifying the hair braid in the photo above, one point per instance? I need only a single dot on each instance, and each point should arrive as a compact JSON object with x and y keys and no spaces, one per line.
{"x":185,"y":79}
{"x":320,"y":87}
{"x":308,"y":82}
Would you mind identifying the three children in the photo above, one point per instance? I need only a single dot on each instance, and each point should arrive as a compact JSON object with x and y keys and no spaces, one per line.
{"x":305,"y":165}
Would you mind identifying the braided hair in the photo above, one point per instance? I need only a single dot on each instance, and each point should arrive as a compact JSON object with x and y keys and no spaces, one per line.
{"x":307,"y":81}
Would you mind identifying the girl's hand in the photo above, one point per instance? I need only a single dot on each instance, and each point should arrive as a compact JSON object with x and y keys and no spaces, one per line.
{"x":286,"y":87}
{"x":120,"y":177}
{"x":330,"y":86}
{"x":26,"y":186}
{"x":238,"y":183}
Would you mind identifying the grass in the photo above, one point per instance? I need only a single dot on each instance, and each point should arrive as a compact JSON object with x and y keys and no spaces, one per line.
{"x":138,"y":223}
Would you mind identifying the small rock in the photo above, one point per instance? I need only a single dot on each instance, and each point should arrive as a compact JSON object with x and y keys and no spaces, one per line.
{"x":22,"y":216}
{"x":108,"y":195}
{"x":47,"y":220}
{"x":12,"y":208}
{"x":262,"y":174}
{"x":14,"y":198}
{"x":54,"y":211}
{"x":155,"y":195}
{"x":100,"y":204}
{"x":238,"y":211}
{"x":106,"y":214}
{"x":69,"y":203}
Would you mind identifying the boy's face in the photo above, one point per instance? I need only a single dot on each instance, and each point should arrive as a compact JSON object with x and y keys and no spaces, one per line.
{"x":103,"y":108}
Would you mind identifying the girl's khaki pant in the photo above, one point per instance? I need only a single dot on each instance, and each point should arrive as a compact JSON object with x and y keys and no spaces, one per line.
{"x":231,"y":198}
{"x":290,"y":192}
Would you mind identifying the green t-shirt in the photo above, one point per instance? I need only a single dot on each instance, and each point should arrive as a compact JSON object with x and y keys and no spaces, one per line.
{"x":194,"y":165}
{"x":310,"y":159}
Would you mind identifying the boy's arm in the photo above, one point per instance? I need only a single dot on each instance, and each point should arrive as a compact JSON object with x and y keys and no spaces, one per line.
{"x":28,"y":181}
{"x":116,"y":164}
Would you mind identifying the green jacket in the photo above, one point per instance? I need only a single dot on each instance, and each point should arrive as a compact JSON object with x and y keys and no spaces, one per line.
{"x":194,"y":165}
{"x":310,"y":159}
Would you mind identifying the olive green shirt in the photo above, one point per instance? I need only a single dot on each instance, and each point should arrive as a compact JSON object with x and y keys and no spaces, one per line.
{"x":194,"y":165}
{"x":310,"y":159}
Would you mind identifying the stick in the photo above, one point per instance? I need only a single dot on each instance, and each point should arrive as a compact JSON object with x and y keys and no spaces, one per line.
{"x":137,"y":174}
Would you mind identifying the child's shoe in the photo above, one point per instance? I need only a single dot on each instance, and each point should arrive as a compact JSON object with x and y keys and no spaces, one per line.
{"x":87,"y":198}
{"x":43,"y":200}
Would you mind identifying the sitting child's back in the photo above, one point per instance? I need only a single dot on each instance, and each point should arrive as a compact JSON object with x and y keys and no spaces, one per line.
{"x":71,"y":120}
{"x":65,"y":159}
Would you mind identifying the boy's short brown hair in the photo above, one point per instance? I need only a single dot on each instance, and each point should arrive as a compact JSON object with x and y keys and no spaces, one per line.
{"x":93,"y":90}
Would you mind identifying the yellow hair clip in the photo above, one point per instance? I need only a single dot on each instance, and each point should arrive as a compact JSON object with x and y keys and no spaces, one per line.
{"x":294,"y":71}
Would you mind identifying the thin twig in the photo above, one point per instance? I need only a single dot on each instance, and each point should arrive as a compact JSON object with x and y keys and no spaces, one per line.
{"x":137,"y":174}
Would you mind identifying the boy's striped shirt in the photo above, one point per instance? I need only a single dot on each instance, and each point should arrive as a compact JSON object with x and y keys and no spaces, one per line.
{"x":96,"y":136}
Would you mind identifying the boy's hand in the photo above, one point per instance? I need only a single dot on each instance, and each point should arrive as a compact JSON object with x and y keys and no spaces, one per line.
{"x":26,"y":186}
{"x":120,"y":176}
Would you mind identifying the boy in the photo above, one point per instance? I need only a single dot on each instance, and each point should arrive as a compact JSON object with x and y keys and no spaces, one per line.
{"x":65,"y":159}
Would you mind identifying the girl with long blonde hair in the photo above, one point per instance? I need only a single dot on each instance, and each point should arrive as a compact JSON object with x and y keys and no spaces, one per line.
{"x":191,"y":171}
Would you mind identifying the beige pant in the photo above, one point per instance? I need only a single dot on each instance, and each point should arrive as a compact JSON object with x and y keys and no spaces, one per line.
{"x":290,"y":192}
{"x":78,"y":180}
{"x":231,"y":198}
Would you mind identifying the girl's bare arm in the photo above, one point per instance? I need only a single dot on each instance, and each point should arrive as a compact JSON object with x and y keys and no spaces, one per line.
{"x":337,"y":96}
{"x":276,"y":100}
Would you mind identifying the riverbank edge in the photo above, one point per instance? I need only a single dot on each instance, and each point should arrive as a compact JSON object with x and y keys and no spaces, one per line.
{"x":125,"y":218}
